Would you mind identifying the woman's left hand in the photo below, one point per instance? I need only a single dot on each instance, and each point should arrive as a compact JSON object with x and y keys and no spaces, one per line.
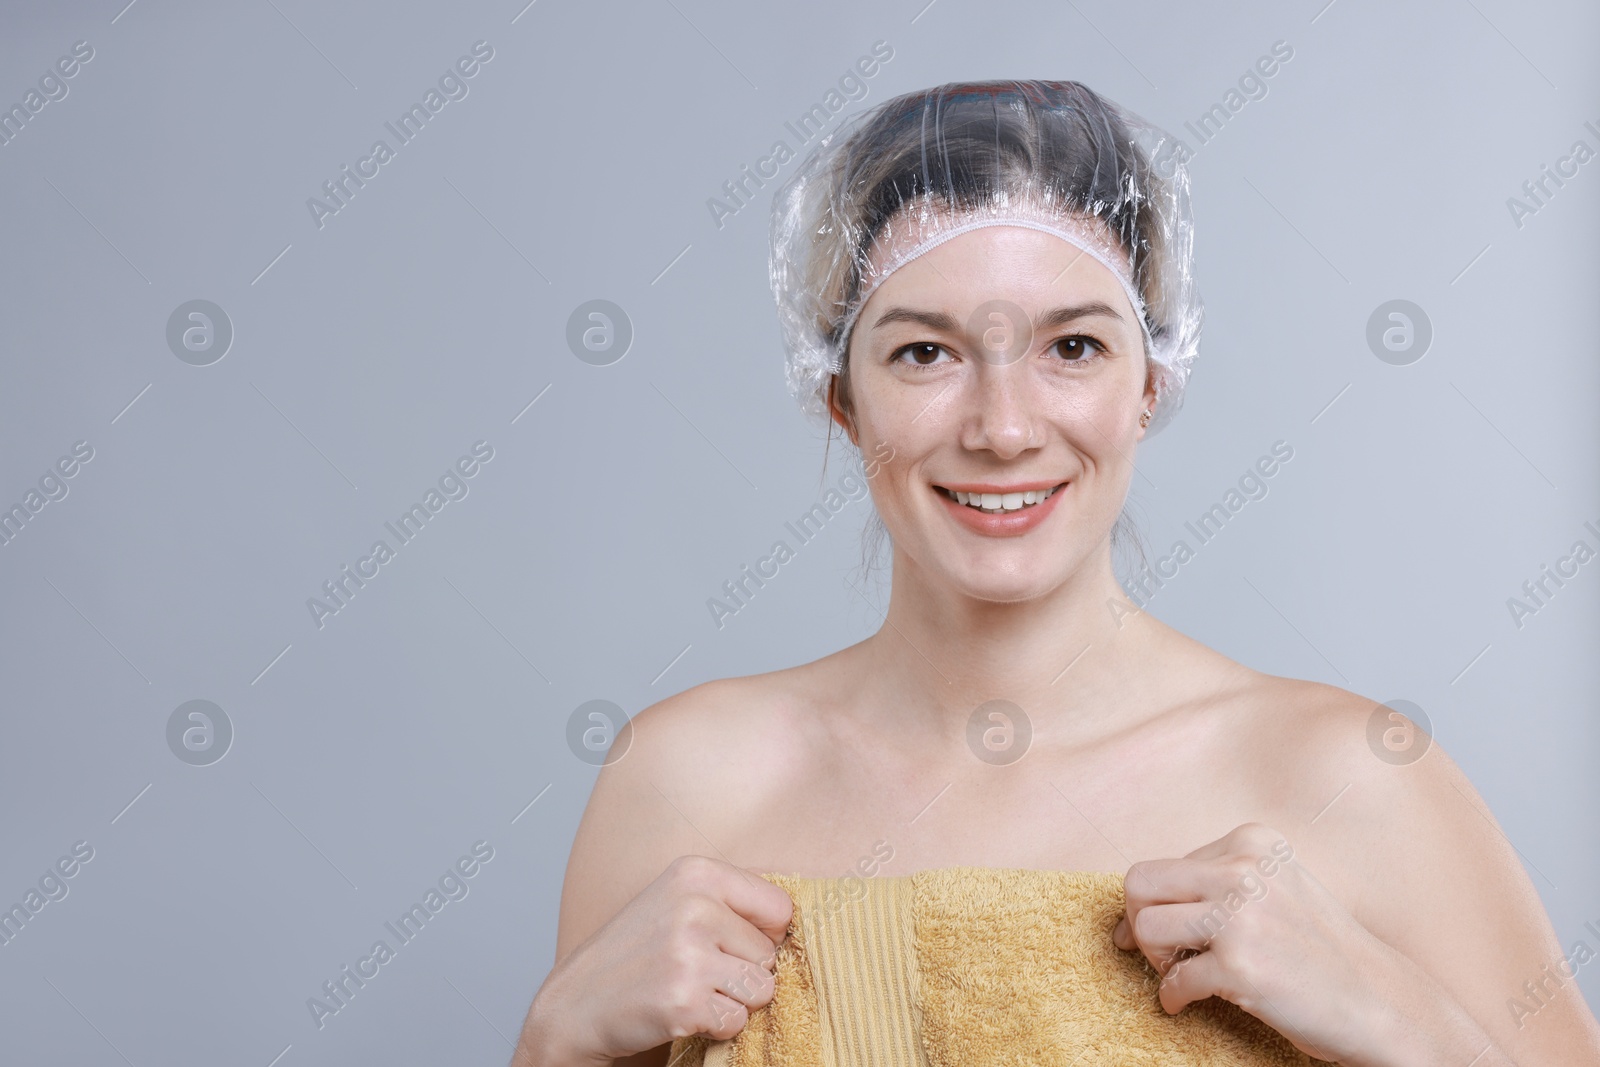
{"x":1242,"y":919}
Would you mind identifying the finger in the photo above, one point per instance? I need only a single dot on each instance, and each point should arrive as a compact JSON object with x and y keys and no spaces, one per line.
{"x":1165,"y":931}
{"x":744,"y":981}
{"x":763,"y":904}
{"x":742,"y":941}
{"x":1168,"y":881}
{"x":1122,"y":935}
{"x":760,"y":903}
{"x":1183,"y":881}
{"x":724,"y":1017}
{"x":1190,"y":979}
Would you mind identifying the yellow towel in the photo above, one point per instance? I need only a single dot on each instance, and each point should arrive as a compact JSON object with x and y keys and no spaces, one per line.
{"x":973,"y":966}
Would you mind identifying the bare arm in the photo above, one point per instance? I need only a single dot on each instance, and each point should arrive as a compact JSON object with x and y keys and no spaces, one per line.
{"x":608,"y":865}
{"x":1428,"y":870}
{"x":630,"y":834}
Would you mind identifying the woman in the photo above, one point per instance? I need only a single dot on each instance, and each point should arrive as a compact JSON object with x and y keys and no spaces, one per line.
{"x":989,"y":288}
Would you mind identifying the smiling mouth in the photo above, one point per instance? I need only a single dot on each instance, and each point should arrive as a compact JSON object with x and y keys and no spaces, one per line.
{"x":1000,"y":503}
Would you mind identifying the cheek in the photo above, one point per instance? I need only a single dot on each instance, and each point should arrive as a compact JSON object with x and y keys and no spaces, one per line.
{"x":1100,"y":426}
{"x":902,"y":422}
{"x":890,"y":448}
{"x":1097,"y":418}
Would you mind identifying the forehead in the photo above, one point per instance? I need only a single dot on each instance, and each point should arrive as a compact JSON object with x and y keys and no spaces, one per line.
{"x":990,"y":262}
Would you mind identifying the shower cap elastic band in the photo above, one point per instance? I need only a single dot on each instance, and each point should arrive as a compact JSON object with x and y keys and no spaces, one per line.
{"x":1068,"y":229}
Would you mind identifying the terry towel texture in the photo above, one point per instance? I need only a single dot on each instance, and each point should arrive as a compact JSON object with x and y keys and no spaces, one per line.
{"x":970,"y":967}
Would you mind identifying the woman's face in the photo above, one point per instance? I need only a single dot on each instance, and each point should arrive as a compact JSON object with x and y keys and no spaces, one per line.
{"x":1003,"y":361}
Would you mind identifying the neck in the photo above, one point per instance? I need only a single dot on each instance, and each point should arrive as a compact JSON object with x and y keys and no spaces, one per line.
{"x":1069,"y":659}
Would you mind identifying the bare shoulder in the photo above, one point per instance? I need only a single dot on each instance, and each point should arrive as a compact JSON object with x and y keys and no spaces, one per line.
{"x":1365,"y":792}
{"x":1370,"y":794}
{"x":1377,"y":811}
{"x":736,"y":728}
{"x":682,"y":779}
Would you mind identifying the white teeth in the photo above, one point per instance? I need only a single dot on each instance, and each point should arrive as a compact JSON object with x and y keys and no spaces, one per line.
{"x":993,"y":503}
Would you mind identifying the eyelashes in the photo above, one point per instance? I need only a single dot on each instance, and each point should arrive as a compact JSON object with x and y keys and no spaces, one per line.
{"x":894,"y":357}
{"x":1097,"y":348}
{"x":1093,"y":351}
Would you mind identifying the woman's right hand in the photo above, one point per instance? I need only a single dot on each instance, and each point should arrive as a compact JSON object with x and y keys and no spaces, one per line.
{"x":692,"y":953}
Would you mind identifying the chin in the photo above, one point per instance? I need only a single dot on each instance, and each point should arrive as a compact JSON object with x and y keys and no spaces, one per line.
{"x":1005,"y":587}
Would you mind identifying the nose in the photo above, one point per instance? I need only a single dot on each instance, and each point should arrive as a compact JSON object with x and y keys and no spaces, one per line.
{"x":1003,"y":414}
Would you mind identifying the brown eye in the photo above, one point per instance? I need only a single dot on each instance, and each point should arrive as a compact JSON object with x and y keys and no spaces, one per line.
{"x":922,"y":353}
{"x":1078,"y":349}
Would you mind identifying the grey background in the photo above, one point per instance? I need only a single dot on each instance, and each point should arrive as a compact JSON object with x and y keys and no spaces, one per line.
{"x":369,"y":354}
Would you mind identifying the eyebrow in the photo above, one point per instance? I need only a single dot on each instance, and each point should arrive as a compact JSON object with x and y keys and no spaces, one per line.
{"x":942,"y":320}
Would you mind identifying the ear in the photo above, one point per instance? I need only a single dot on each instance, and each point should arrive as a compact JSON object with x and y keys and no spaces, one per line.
{"x":837,"y":414}
{"x":1147,"y":402}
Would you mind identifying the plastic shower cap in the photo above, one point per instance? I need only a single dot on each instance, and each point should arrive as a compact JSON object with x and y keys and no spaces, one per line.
{"x":916,"y":170}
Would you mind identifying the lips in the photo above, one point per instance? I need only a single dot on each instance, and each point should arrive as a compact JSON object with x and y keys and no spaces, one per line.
{"x":1005,"y":500}
{"x":1004,"y":522}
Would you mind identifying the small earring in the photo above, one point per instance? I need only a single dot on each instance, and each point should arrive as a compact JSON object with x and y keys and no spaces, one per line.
{"x":1144,"y":420}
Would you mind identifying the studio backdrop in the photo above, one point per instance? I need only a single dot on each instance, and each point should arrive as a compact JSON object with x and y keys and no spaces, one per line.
{"x":391,"y":395}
